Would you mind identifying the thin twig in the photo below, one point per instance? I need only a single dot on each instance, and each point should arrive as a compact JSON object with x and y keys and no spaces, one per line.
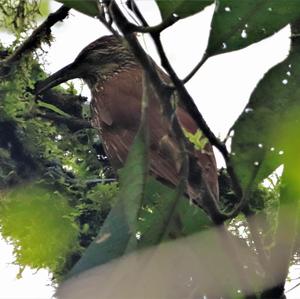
{"x":145,"y":28}
{"x":196,"y":68}
{"x":157,"y":28}
{"x":92,"y":182}
{"x":102,"y":18}
{"x":197,"y":116}
{"x":134,"y":8}
{"x":139,"y":53}
{"x":294,"y":287}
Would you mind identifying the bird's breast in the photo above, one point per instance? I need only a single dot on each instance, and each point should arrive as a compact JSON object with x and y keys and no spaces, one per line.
{"x":117,"y":100}
{"x":116,"y":112}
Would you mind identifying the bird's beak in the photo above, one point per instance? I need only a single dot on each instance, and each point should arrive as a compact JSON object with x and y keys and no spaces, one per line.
{"x":67,"y":73}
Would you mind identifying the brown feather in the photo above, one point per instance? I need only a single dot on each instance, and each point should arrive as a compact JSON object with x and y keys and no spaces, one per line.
{"x":116,"y":107}
{"x":115,"y":80}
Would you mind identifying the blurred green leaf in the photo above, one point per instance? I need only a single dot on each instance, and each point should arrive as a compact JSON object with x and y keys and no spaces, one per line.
{"x":88,"y":7}
{"x":18,"y":16}
{"x":33,"y":218}
{"x":267,"y":132}
{"x":165,"y":216}
{"x":44,"y":7}
{"x":183,"y":8}
{"x":238,"y":24}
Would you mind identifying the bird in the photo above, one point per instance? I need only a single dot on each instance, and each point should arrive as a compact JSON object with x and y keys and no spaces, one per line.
{"x":114,"y":77}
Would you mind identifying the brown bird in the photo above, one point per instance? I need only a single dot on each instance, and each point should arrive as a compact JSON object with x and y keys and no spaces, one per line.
{"x":115,"y":80}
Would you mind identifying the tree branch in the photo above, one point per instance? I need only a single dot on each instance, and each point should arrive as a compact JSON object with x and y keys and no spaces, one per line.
{"x":103,"y":15}
{"x":73,"y":123}
{"x":71,"y":104}
{"x":196,"y":68}
{"x":145,"y":28}
{"x":153,"y":29}
{"x":134,"y":8}
{"x":38,"y":35}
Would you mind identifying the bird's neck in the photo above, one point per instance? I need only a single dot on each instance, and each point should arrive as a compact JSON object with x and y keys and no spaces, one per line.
{"x":107,"y":71}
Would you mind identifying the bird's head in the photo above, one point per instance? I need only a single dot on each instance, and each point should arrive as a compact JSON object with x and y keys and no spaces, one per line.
{"x":97,"y":60}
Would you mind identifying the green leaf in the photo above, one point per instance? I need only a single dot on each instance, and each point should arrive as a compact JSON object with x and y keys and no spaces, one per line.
{"x":52,"y":108}
{"x":267,"y":133}
{"x":167,"y":215}
{"x":33,"y":218}
{"x":183,"y":8}
{"x":44,"y":7}
{"x":238,"y":24}
{"x":198,"y":139}
{"x":88,"y":7}
{"x":164,"y":216}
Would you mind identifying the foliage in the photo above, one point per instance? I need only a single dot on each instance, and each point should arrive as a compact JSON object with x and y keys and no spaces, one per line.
{"x":32,"y":148}
{"x":181,"y":7}
{"x":118,"y":233}
{"x":238,"y":24}
{"x":265,"y":201}
{"x":265,"y":145}
{"x":100,"y":221}
{"x":87,"y":7}
{"x":94,"y":208}
{"x":166,"y":215}
{"x":27,"y":213}
{"x":19,"y":16}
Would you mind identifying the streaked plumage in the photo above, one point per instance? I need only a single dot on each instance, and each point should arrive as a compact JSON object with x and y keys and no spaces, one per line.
{"x":115,"y":80}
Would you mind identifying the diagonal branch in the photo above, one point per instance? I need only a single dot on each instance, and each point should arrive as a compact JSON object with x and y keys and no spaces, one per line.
{"x":73,"y":123}
{"x":38,"y":35}
{"x":134,"y":8}
{"x":196,"y":68}
{"x":153,"y":29}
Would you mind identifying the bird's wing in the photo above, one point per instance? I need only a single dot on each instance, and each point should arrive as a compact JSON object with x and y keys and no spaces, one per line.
{"x":205,"y":158}
{"x":166,"y":156}
{"x":117,"y":111}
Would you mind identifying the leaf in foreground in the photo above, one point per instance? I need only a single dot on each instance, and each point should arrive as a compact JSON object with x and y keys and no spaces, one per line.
{"x":89,"y":7}
{"x":238,"y":24}
{"x":267,"y":133}
{"x":40,"y":224}
{"x":182,"y":8}
{"x":167,"y":216}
